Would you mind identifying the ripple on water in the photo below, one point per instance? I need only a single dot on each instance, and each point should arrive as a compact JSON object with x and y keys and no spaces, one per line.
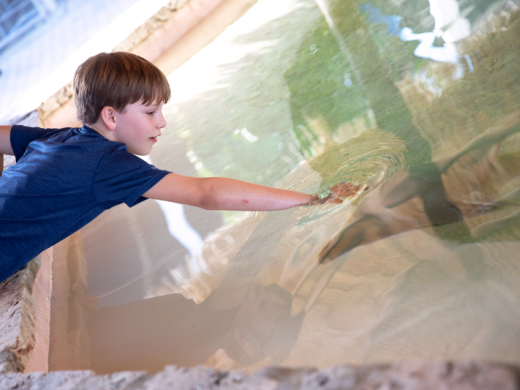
{"x":359,"y":159}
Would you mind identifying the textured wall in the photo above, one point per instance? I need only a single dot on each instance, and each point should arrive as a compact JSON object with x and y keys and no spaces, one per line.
{"x":35,"y":336}
{"x":17,"y":318}
{"x":401,"y":376}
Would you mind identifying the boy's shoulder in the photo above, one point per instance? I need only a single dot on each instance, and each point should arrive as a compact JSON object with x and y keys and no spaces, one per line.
{"x":79,"y":155}
{"x":81,"y":145}
{"x":66,"y":135}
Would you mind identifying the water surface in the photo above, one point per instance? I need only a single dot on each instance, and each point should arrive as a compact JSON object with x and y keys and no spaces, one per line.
{"x":416,"y":100}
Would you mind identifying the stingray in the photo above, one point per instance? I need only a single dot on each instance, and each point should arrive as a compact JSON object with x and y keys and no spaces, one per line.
{"x":442,"y":192}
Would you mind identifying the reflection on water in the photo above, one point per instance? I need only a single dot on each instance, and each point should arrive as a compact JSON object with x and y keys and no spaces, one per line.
{"x":302,"y":95}
{"x":440,"y":193}
{"x":451,"y":27}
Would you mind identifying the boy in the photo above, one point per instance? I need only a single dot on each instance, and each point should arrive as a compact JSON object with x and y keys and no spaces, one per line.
{"x":64,"y":178}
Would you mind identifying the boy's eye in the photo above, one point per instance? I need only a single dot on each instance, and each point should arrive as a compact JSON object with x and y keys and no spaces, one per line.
{"x":151,"y":112}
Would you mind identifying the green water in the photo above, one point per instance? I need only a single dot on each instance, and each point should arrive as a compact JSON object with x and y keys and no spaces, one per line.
{"x":424,"y":264}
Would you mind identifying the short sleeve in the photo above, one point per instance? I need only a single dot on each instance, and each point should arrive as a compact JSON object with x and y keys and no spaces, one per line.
{"x":22,"y":136}
{"x":123,"y":177}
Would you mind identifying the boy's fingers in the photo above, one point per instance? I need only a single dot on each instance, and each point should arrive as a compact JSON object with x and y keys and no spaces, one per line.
{"x":340,"y":190}
{"x":345,"y":189}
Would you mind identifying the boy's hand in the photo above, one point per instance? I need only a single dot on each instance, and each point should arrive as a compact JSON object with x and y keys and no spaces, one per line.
{"x":336,"y":192}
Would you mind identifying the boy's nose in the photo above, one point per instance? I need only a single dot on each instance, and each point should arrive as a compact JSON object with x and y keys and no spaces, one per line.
{"x":161,"y":122}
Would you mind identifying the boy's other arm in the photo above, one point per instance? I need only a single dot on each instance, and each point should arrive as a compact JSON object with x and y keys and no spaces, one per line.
{"x":5,"y":140}
{"x":216,"y":193}
{"x":5,"y":144}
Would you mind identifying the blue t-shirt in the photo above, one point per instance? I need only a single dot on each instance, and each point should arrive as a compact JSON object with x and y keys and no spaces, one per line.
{"x":63,"y":179}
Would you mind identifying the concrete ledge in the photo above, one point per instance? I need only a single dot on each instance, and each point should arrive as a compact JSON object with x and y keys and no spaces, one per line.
{"x":35,"y":337}
{"x":398,"y":376}
{"x":17,"y":318}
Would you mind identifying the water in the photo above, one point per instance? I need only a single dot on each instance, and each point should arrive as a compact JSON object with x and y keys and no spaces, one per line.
{"x":418,"y":103}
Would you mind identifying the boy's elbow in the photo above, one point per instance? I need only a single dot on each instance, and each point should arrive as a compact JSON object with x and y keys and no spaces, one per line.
{"x":207,"y":203}
{"x":207,"y":199}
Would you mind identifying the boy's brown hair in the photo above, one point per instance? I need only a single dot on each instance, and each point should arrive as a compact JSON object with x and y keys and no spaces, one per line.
{"x":116,"y":80}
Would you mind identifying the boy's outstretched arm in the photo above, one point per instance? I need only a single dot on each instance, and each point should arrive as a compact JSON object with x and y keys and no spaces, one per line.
{"x":216,"y":193}
{"x":5,"y":140}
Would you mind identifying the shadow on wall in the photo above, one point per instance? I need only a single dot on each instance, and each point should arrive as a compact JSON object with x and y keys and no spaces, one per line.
{"x":248,"y":321}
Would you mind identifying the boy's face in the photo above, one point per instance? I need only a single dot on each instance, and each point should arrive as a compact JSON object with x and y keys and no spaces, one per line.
{"x":138,"y":126}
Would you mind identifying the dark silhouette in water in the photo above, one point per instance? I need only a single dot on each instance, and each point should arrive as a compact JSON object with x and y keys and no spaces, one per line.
{"x":393,"y":207}
{"x":390,"y":110}
{"x":151,"y":333}
{"x":386,"y":102}
{"x":248,"y":321}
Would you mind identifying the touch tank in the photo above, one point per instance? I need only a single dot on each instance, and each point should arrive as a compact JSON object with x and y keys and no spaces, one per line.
{"x":414,"y":101}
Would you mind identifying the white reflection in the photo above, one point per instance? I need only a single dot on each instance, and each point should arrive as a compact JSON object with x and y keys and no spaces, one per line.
{"x":450,"y":26}
{"x":448,"y":53}
{"x":448,"y":22}
{"x":248,"y":136}
{"x":180,"y":228}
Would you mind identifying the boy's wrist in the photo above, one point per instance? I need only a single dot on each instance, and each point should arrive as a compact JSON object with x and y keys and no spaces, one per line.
{"x":316,"y":199}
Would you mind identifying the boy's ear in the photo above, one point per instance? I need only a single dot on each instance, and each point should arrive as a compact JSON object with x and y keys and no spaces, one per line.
{"x":108,"y":117}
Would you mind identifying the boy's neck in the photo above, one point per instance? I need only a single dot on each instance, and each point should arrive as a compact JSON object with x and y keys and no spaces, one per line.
{"x":102,"y":129}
